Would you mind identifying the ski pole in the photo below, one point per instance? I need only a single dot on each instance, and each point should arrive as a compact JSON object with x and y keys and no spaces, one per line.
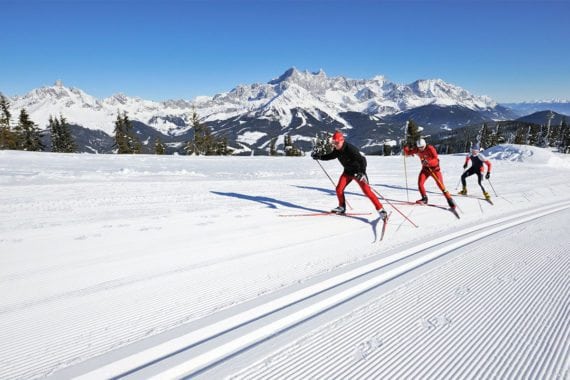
{"x":436,"y":179}
{"x":404,"y":154}
{"x":457,"y":186}
{"x":394,"y":207}
{"x":459,"y":180}
{"x":406,"y":176}
{"x":441,"y":185}
{"x":491,"y":183}
{"x":334,"y":185}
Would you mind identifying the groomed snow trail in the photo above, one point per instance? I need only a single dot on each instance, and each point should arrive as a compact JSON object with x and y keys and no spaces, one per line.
{"x":486,"y":313}
{"x":199,"y":351}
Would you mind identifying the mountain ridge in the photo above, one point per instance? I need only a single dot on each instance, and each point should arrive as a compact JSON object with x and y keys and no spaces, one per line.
{"x":296,"y":102}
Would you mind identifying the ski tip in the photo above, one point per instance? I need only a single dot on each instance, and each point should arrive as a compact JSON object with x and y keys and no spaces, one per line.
{"x":454,"y":211}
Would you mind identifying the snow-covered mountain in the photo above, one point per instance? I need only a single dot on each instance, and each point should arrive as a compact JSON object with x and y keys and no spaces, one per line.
{"x":526,"y":108}
{"x":297,"y":102}
{"x":87,"y":111}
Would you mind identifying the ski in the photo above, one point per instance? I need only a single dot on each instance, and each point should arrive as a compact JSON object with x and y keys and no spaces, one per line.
{"x":453,"y":210}
{"x":384,"y":223}
{"x":432,"y":205}
{"x":479,"y":198}
{"x":326,"y":213}
{"x":419,"y":204}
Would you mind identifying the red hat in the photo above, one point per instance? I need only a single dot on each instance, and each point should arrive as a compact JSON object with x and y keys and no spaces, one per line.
{"x":337,"y":136}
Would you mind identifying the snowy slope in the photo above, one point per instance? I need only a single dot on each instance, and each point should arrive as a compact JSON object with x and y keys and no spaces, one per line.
{"x":109,"y":257}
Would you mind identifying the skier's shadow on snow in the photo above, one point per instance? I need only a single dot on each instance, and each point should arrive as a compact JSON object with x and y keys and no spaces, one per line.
{"x":327,"y":191}
{"x":273,"y":203}
{"x":269,"y":202}
{"x":373,"y":223}
{"x":403,"y":188}
{"x":394,"y":187}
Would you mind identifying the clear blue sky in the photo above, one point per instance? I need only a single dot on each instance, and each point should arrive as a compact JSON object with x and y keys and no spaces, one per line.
{"x":167,"y":49}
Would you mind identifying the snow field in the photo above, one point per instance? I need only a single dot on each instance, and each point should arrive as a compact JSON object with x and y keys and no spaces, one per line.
{"x":102,"y":253}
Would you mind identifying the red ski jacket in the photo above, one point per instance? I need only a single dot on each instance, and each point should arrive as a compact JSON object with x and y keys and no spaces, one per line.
{"x":428,"y":157}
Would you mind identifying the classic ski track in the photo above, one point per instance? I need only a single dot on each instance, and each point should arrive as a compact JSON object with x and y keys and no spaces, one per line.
{"x":396,"y":357}
{"x":142,"y":358}
{"x":326,"y":347}
{"x":404,"y":364}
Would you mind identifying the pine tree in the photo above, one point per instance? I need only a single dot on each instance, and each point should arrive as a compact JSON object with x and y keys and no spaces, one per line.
{"x":485,"y":137}
{"x":272,"y":150}
{"x":67,"y":141}
{"x":189,"y":147}
{"x":323,"y":144}
{"x":204,"y":142}
{"x":61,"y":138}
{"x":557,"y":135}
{"x":534,"y":135}
{"x":159,"y":147}
{"x":53,"y":127}
{"x":413,"y":134}
{"x":222,"y":146}
{"x":7,"y":137}
{"x":290,"y":149}
{"x":554,"y":135}
{"x":520,"y":137}
{"x":496,"y":137}
{"x":29,"y":134}
{"x":125,"y":141}
{"x":565,"y":136}
{"x":467,"y":138}
{"x":387,"y":150}
{"x":121,"y":141}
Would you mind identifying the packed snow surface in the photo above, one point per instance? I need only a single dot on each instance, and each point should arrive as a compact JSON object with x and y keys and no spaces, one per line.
{"x":106,"y":254}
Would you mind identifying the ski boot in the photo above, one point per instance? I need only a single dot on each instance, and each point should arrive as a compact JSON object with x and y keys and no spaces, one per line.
{"x":463,"y":191}
{"x":383,"y":214}
{"x":451,"y":203}
{"x":486,"y":195}
{"x":338,"y":210}
{"x":422,"y":201}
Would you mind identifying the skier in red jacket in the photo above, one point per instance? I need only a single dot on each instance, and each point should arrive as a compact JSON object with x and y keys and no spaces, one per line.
{"x":430,"y":167}
{"x":354,"y":165}
{"x":477,"y":162}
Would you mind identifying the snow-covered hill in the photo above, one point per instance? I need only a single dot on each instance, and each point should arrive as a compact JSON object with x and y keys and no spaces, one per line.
{"x":176,"y":265}
{"x":527,"y":154}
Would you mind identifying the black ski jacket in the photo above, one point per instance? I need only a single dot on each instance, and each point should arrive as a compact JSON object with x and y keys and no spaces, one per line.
{"x":350,"y":158}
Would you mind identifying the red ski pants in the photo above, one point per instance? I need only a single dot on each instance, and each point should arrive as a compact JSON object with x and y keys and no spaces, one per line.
{"x":425,"y":174}
{"x":344,"y":180}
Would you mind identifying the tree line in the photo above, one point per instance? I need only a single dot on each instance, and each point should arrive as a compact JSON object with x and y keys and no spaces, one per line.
{"x":488,"y":135}
{"x":26,"y":135}
{"x":505,"y":132}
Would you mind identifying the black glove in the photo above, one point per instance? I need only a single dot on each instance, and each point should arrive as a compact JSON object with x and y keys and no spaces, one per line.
{"x":315,"y":155}
{"x":360,"y":177}
{"x":488,"y":175}
{"x":465,"y":166}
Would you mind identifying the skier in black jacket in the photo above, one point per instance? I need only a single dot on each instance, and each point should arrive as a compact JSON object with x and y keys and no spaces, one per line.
{"x":477,"y":162}
{"x":354,"y":165}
